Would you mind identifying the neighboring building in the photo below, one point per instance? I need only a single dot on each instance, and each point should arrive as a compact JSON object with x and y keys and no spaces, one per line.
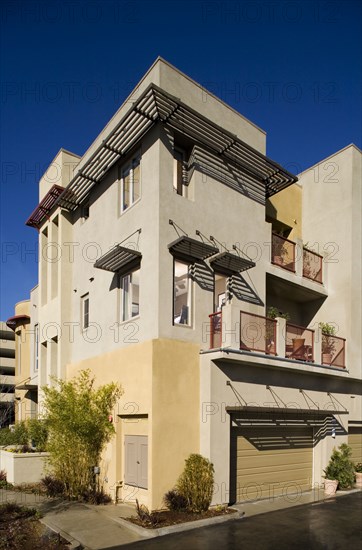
{"x":159,"y":260}
{"x":26,"y":331}
{"x":7,"y":375}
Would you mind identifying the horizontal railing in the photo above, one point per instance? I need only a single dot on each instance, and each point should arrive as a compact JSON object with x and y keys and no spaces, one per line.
{"x":283,"y":252}
{"x":215,"y":330}
{"x":312,"y":265}
{"x":299,"y":343}
{"x":258,"y":333}
{"x":333,"y":351}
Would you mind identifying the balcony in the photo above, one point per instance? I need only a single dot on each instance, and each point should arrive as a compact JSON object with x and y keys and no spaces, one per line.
{"x":276,"y":338}
{"x":312,"y":265}
{"x":283,"y":252}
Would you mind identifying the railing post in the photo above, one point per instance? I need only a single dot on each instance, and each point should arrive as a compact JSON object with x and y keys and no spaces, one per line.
{"x":299,"y":257}
{"x":318,"y":346}
{"x":281,"y":336}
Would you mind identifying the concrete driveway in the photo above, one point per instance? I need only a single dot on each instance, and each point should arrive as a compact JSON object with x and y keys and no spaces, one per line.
{"x":329,"y":525}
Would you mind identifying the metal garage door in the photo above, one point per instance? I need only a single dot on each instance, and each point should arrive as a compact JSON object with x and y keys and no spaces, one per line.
{"x":267,"y":462}
{"x":355,"y":441}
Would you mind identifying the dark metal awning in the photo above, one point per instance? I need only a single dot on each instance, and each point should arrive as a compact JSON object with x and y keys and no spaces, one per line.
{"x":228,"y":263}
{"x":16,"y":320}
{"x":191,"y":250}
{"x":119,"y":258}
{"x":156,"y":105}
{"x":44,"y":207}
{"x":285,"y":411}
{"x":28,"y":387}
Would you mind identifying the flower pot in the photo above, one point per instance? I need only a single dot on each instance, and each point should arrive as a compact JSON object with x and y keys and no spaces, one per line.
{"x":326,"y":358}
{"x":278,"y":260}
{"x":358,"y":479}
{"x":298,"y":344}
{"x":330,"y":487}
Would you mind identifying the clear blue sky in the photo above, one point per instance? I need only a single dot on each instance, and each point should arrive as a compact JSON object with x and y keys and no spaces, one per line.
{"x":292,"y":67}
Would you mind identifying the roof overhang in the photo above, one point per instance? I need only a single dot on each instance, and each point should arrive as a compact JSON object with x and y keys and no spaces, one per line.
{"x":156,"y":105}
{"x":191,"y":250}
{"x":28,"y":387}
{"x":228,"y":263}
{"x":118,"y":259}
{"x":321,"y":413}
{"x":44,"y":207}
{"x":17,"y":320}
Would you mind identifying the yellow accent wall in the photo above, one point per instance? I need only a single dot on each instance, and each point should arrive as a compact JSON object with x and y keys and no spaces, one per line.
{"x":286,"y":207}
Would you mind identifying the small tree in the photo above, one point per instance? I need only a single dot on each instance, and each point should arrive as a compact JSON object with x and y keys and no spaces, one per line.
{"x":77,"y":417}
{"x":340,"y":466}
{"x":196,"y":483}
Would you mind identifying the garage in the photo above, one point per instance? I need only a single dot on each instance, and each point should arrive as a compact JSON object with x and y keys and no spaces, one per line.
{"x":270,"y":461}
{"x":355,"y":442}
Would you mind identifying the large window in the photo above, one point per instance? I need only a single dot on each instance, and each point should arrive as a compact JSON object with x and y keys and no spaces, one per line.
{"x":130,"y":183}
{"x":182,"y":287}
{"x":85,"y":311}
{"x":36,"y":347}
{"x":130,"y":290}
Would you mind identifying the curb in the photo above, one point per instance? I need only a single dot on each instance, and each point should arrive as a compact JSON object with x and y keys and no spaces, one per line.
{"x":73,"y":543}
{"x":188,"y":526}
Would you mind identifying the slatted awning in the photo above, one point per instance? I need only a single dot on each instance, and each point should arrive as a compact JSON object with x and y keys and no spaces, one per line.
{"x":228,"y":263}
{"x":156,"y":105}
{"x":46,"y":204}
{"x":16,"y":320}
{"x":119,"y":258}
{"x":191,"y":250}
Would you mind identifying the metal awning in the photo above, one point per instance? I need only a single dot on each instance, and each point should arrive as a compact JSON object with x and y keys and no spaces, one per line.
{"x":285,"y":411}
{"x":28,"y":387}
{"x":44,"y":207}
{"x":156,"y":105}
{"x":119,"y":258}
{"x":228,"y":263}
{"x":16,"y":320}
{"x":191,"y":250}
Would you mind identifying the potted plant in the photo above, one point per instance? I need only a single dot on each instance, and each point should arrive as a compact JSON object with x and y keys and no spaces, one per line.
{"x":328,"y":343}
{"x":339,"y":471}
{"x":358,"y":473}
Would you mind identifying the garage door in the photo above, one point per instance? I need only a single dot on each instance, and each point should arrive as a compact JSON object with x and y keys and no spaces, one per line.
{"x":267,"y":462}
{"x":355,"y":441}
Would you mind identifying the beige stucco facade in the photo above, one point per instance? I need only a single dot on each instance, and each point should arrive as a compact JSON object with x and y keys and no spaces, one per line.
{"x":180,"y":396}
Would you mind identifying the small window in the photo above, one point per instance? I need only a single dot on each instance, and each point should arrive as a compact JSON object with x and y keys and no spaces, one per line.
{"x":36,"y":347}
{"x":85,"y":311}
{"x":182,"y":286}
{"x":130,"y":291}
{"x":130,"y":183}
{"x":179,"y":178}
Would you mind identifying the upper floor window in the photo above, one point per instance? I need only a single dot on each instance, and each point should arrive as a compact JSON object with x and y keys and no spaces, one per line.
{"x":85,"y":311}
{"x":182,"y":287}
{"x":179,"y":181}
{"x":130,"y":291}
{"x":130,"y":183}
{"x":36,"y":347}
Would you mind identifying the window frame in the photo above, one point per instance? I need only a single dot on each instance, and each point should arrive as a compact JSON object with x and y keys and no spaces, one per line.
{"x":190,"y":296}
{"x":135,"y":160}
{"x":179,"y":187}
{"x":122,"y":277}
{"x":36,"y":347}
{"x":85,"y":315}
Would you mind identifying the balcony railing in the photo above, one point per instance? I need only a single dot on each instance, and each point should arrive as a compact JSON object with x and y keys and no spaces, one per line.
{"x":258,"y":333}
{"x":283,"y":252}
{"x":312,"y":265}
{"x":333,"y":351}
{"x":299,"y":343}
{"x":215,"y":330}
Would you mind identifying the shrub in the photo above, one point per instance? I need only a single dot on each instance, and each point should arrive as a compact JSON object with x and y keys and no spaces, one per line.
{"x":340,"y":466}
{"x":53,"y":487}
{"x":2,"y":475}
{"x":175,"y":501}
{"x":358,"y":467}
{"x":38,"y":433}
{"x":21,"y":433}
{"x":196,"y":483}
{"x":7,"y":437}
{"x":146,"y":517}
{"x":96,"y":497}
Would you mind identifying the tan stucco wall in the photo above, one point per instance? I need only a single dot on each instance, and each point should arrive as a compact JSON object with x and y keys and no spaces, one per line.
{"x":59,"y":172}
{"x":286,"y":207}
{"x":22,"y":362}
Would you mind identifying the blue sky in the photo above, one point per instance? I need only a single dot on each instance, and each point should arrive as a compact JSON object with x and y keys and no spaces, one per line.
{"x":292,"y":67}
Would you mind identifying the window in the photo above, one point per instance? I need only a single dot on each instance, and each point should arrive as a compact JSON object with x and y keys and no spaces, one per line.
{"x":136,"y":460}
{"x":130,"y":290}
{"x":85,"y":311}
{"x":130,"y":183}
{"x":18,"y":351}
{"x":179,"y":173}
{"x":36,"y":347}
{"x":182,"y":287}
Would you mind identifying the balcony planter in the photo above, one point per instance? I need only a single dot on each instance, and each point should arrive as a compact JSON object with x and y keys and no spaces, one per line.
{"x":23,"y":467}
{"x":298,"y":344}
{"x":330,"y":487}
{"x":326,"y":358}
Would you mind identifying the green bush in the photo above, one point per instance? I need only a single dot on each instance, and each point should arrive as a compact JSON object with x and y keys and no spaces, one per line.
{"x":21,"y":433}
{"x":38,"y":433}
{"x":196,"y":483}
{"x":175,"y":501}
{"x":341,"y":467}
{"x":7,"y":437}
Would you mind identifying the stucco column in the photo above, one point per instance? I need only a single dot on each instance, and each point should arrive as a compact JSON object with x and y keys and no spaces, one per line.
{"x":230,"y":326}
{"x":281,"y":336}
{"x":318,"y":346}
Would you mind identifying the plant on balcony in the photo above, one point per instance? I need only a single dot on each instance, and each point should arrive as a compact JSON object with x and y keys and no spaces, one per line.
{"x":340,"y":468}
{"x":328,"y":342}
{"x":273,"y":312}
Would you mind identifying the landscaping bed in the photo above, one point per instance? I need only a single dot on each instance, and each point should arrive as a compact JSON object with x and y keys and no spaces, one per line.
{"x":20,"y":529}
{"x":166,"y":518}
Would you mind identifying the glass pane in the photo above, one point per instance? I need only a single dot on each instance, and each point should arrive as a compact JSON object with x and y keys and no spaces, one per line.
{"x":126,"y":188}
{"x":135,"y":293}
{"x":182,"y":294}
{"x":125,"y":288}
{"x":86,"y":313}
{"x":136,"y":180}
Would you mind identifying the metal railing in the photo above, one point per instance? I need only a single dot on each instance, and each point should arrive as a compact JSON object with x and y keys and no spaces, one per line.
{"x":312,"y":265}
{"x":283,"y":252}
{"x":215,"y":330}
{"x":299,"y":343}
{"x":258,"y":333}
{"x":333,"y":351}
